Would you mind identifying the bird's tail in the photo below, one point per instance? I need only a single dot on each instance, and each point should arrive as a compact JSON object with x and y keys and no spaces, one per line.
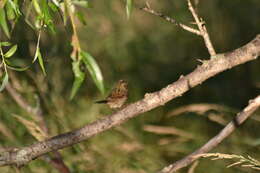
{"x":101,"y":101}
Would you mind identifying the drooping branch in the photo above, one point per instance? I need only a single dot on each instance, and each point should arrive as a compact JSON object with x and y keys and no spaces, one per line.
{"x":208,"y":69}
{"x":230,"y":127}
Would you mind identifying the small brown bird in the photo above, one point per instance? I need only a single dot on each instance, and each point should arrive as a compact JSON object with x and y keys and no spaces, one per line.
{"x":118,"y":95}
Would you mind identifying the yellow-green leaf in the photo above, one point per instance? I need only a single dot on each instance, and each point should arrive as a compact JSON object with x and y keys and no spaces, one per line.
{"x":79,"y":77}
{"x":129,"y":6}
{"x":10,"y":52}
{"x":4,"y":81}
{"x":37,"y":7}
{"x":3,"y":22}
{"x":41,"y":61}
{"x":93,"y":69}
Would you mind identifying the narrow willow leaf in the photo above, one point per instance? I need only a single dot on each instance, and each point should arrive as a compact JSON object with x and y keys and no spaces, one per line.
{"x":34,"y":129}
{"x":5,"y":43}
{"x":47,"y":16}
{"x":79,"y":77}
{"x":17,"y":68}
{"x":37,"y":7}
{"x":65,"y":11}
{"x":4,"y":81}
{"x":3,"y":22}
{"x":93,"y":69}
{"x":41,"y":61}
{"x":129,"y":6}
{"x":10,"y":52}
{"x":10,"y":12}
{"x":15,"y":7}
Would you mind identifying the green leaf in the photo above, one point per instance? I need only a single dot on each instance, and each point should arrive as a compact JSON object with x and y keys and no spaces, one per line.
{"x":47,"y":16}
{"x":79,"y":77}
{"x":4,"y":81}
{"x":15,"y":7}
{"x":41,"y":61}
{"x":11,"y":51}
{"x":93,"y":69}
{"x":129,"y":6}
{"x":37,"y":7}
{"x":3,"y":22}
{"x":65,"y":11}
{"x":81,"y":18}
{"x":5,"y":43}
{"x":17,"y":68}
{"x":10,"y":12}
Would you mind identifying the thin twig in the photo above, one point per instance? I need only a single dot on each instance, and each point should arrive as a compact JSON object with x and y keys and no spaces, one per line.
{"x":239,"y":119}
{"x":203,"y":30}
{"x":150,"y":101}
{"x":171,"y":20}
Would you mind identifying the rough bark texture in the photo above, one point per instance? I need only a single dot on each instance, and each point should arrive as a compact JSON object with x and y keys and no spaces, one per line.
{"x":209,"y":68}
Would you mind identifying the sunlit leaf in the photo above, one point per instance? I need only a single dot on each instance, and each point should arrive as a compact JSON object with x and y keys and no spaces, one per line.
{"x":64,"y":10}
{"x":47,"y":16}
{"x":41,"y":61}
{"x":93,"y":69}
{"x":129,"y":6}
{"x":15,"y":7}
{"x":11,"y":51}
{"x":10,"y":12}
{"x":4,"y":81}
{"x":3,"y":22}
{"x":5,"y":43}
{"x":79,"y":77}
{"x":37,"y":7}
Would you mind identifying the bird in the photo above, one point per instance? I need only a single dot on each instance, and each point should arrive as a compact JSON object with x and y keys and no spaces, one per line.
{"x":117,"y":96}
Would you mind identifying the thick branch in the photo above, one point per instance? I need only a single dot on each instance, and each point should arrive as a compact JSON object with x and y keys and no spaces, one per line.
{"x":239,"y":119}
{"x":208,"y":69}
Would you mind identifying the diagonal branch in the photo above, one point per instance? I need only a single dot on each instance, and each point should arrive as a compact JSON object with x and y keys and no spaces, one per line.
{"x":208,"y":69}
{"x":239,"y":119}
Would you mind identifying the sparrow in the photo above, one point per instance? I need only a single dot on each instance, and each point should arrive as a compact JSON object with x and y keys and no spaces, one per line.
{"x":118,"y":95}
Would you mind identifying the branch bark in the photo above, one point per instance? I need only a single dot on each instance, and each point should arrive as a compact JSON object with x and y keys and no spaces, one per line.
{"x":209,"y":68}
{"x":239,"y":119}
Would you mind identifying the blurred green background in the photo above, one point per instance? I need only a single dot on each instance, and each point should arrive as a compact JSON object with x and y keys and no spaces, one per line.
{"x":149,"y":53}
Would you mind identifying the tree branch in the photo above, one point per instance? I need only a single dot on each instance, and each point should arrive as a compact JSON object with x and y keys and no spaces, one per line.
{"x":209,"y":68}
{"x":148,"y":9}
{"x":201,"y":31}
{"x":239,"y":119}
